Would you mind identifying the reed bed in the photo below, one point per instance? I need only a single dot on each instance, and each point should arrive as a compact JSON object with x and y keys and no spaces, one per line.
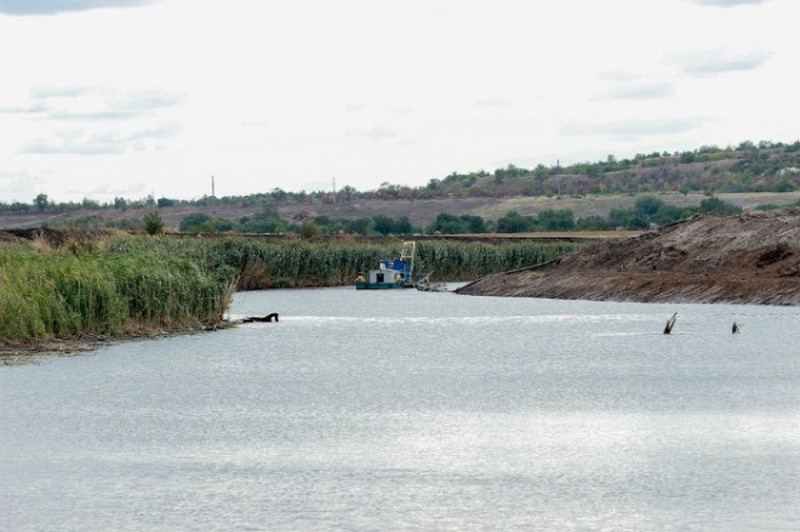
{"x":122,"y":284}
{"x":298,"y":263}
{"x":61,"y":294}
{"x":454,"y":261}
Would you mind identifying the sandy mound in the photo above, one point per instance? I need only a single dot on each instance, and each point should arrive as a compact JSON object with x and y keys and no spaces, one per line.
{"x":751,"y":258}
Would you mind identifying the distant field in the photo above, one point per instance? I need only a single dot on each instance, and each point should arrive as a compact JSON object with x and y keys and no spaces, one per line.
{"x":420,"y":212}
{"x":423,"y":212}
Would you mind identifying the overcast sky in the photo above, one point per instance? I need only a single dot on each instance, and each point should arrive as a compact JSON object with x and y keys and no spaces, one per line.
{"x":107,"y":98}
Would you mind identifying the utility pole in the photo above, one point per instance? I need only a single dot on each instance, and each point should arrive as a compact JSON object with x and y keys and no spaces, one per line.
{"x":333,"y":179}
{"x":212,"y":187}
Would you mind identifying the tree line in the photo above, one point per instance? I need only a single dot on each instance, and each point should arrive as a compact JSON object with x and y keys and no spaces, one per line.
{"x":765,"y":166}
{"x":648,"y":211}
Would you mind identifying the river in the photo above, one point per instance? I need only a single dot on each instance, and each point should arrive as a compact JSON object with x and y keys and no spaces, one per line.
{"x":400,"y":409}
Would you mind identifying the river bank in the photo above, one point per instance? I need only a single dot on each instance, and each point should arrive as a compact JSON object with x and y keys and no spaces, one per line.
{"x":62,"y":292}
{"x":751,"y":258}
{"x":66,"y":295}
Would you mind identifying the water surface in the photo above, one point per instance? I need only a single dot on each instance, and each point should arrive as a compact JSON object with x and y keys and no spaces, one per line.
{"x":409,"y":410}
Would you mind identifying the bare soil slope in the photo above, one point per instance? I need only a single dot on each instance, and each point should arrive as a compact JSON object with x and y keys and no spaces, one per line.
{"x":751,"y":258}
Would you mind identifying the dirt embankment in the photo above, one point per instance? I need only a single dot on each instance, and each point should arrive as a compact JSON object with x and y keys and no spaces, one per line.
{"x":751,"y":258}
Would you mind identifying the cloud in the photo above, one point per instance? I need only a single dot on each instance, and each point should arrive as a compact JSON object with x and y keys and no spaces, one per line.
{"x":632,"y":129}
{"x":403,"y":110}
{"x":374,"y":134}
{"x":23,"y":109}
{"x":20,"y":186}
{"x":727,"y":3}
{"x":354,"y":108}
{"x":91,"y":115}
{"x":51,"y":7}
{"x":103,"y":143}
{"x":93,"y":103}
{"x":114,"y":189}
{"x":711,"y":62}
{"x":164,"y":131}
{"x":641,"y":91}
{"x":257,"y":123}
{"x":149,"y":99}
{"x":619,"y":75}
{"x":491,"y":102}
{"x":44,"y":93}
{"x":72,"y":144}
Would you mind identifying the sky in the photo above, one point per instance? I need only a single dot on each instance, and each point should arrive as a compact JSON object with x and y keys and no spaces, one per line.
{"x":128,"y":98}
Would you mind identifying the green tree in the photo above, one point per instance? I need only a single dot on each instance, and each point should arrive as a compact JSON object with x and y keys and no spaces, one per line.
{"x":309,"y":230}
{"x":383,"y":224}
{"x":361,"y":226}
{"x":513,"y":222}
{"x":627,"y":219}
{"x":41,"y":202}
{"x":90,"y":204}
{"x":593,"y":223}
{"x":153,"y":223}
{"x":447,"y":224}
{"x":191,"y":221}
{"x":648,"y":206}
{"x":715,"y":205}
{"x":556,"y":220}
{"x":475,"y":224}
{"x":267,"y":220}
{"x":402,"y":226}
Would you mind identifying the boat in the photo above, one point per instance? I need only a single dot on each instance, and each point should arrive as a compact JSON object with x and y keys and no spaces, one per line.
{"x":390,"y":273}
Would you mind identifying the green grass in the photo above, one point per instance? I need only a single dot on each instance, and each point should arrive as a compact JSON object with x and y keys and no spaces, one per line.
{"x":121,"y":285}
{"x":61,"y":294}
{"x":297,"y":263}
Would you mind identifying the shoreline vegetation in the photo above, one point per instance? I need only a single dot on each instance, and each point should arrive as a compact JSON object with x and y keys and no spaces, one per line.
{"x":63,"y":292}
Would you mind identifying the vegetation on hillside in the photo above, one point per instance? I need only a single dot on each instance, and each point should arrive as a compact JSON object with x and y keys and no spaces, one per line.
{"x":748,"y":167}
{"x":766,"y":167}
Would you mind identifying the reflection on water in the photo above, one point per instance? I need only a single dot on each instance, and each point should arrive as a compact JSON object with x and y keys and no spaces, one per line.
{"x":402,"y":409}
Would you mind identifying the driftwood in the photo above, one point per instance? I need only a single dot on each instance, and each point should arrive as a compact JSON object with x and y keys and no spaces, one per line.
{"x":425,"y":285}
{"x":432,"y":287}
{"x":261,"y":319}
{"x":670,"y":324}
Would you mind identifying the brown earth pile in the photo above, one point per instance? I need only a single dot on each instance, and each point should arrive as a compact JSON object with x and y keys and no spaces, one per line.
{"x":751,"y":258}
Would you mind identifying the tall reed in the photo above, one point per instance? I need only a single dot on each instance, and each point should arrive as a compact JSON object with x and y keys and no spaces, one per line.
{"x":63,"y":294}
{"x":124,"y":284}
{"x":298,"y":263}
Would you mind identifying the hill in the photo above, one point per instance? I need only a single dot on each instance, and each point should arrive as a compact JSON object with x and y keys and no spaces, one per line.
{"x":420,"y":212}
{"x":747,"y":176}
{"x":766,"y":167}
{"x":751,"y":258}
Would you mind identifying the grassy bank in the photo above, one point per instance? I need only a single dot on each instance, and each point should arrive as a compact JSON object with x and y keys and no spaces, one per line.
{"x":298,"y":263}
{"x":122,"y":285}
{"x":66,"y":293}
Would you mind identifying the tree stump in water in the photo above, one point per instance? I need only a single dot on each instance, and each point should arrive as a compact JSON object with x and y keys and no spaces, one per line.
{"x":261,"y":319}
{"x":670,"y":324}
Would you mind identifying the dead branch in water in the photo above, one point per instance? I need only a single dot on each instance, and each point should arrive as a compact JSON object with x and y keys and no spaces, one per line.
{"x":670,"y":324}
